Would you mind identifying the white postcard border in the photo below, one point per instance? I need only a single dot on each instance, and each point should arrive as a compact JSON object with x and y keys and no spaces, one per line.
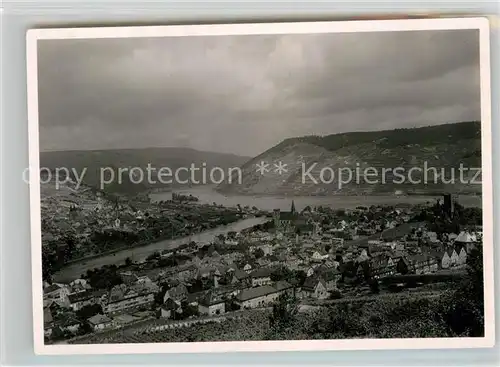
{"x":479,"y":23}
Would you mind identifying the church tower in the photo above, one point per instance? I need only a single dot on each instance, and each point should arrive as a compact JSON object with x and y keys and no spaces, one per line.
{"x":276,"y":218}
{"x":292,"y":210}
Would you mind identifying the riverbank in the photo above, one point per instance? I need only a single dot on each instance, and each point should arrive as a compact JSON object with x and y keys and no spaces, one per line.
{"x":128,"y":247}
{"x":137,"y":254}
{"x":208,"y":195}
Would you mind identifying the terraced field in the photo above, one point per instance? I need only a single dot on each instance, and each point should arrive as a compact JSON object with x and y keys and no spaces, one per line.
{"x":242,"y":324}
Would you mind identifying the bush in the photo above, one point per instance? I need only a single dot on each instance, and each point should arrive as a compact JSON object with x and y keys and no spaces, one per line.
{"x":284,"y":312}
{"x":335,"y":294}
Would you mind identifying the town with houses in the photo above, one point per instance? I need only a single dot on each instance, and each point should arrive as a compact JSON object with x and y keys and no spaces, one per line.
{"x":318,"y":255}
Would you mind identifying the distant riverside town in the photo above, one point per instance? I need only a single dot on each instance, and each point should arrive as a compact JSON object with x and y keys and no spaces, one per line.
{"x":134,"y":270}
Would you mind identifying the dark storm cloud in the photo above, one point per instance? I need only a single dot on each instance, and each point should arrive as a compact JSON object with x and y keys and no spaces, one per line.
{"x":243,"y":94}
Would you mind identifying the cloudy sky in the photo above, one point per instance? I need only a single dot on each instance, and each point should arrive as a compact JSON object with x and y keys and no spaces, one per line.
{"x":244,"y":94}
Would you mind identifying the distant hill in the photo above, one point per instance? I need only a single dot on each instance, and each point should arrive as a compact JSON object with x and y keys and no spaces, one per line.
{"x":172,"y":158}
{"x":442,"y":146}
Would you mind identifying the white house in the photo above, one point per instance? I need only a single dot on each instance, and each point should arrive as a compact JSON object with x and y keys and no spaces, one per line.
{"x":454,"y":259}
{"x":311,"y":270}
{"x":468,"y":240}
{"x":124,"y":299}
{"x":363,"y":256}
{"x":342,"y":224}
{"x":446,"y":260}
{"x":462,"y":256}
{"x":432,"y":237}
{"x":211,"y":305}
{"x":169,"y":308}
{"x":316,"y":288}
{"x":262,"y":296}
{"x":465,"y":237}
{"x":81,"y":299}
{"x":56,"y":292}
{"x":100,"y":322}
{"x":247,"y":268}
{"x":79,"y":285}
{"x":177,"y":294}
{"x":331,"y":279}
{"x":267,"y":249}
{"x":261,"y":277}
{"x":317,"y":256}
{"x":391,"y":224}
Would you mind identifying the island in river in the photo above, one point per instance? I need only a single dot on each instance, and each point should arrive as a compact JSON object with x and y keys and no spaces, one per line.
{"x":207,"y":195}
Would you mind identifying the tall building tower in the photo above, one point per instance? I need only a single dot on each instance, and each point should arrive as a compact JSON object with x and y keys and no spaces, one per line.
{"x":448,"y":205}
{"x":292,"y":210}
{"x":276,"y":218}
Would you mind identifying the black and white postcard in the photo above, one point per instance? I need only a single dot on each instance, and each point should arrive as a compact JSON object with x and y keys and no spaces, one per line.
{"x":261,"y":187}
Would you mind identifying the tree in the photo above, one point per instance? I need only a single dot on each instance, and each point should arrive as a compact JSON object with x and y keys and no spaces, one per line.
{"x":57,"y":333}
{"x":88,"y":311}
{"x":258,"y":253}
{"x":340,"y":212}
{"x":85,"y":328}
{"x":374,"y":286}
{"x":48,"y":265}
{"x":465,"y":314}
{"x":188,"y":310}
{"x":298,"y":277}
{"x":104,"y":278}
{"x":328,"y":248}
{"x":128,"y":261}
{"x":69,"y":248}
{"x":284,"y":312}
{"x":281,"y":273}
{"x":154,"y":256}
{"x":158,"y":298}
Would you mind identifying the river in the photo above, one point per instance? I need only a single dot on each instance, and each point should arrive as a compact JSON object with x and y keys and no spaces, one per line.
{"x":74,"y":271}
{"x":207,"y":195}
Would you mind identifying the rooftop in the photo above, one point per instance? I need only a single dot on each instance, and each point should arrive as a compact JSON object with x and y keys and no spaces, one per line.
{"x":80,"y":296}
{"x":51,"y":288}
{"x":99,"y":319}
{"x":211,"y":299}
{"x":240,"y":274}
{"x":251,"y":293}
{"x":261,"y":273}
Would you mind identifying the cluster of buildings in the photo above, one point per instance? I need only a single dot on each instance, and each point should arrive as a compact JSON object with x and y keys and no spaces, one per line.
{"x":64,"y":304}
{"x":67,"y":213}
{"x":310,"y":255}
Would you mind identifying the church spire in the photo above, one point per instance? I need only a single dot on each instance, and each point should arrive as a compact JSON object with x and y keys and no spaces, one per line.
{"x":292,"y":210}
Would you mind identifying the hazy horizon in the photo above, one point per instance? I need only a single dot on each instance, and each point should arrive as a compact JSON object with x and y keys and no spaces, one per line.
{"x":243,"y":95}
{"x":217,"y":152}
